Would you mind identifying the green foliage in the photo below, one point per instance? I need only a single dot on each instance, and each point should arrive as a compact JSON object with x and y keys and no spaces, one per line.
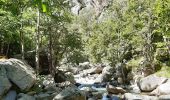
{"x":162,"y":54}
{"x":164,"y":72}
{"x":115,"y":37}
{"x":134,"y":63}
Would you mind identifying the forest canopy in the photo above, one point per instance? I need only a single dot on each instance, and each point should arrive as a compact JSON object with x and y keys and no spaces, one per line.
{"x":109,"y":31}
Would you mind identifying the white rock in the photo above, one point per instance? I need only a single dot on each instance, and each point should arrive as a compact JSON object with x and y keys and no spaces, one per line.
{"x":163,"y":89}
{"x":130,"y":96}
{"x":151,"y":82}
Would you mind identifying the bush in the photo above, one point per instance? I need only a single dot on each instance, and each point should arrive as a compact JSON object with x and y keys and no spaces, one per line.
{"x":162,"y":54}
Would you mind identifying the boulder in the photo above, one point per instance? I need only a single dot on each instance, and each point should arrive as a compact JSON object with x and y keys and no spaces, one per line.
{"x":134,"y":89}
{"x":101,"y":78}
{"x":110,"y":97}
{"x":43,"y":60}
{"x":11,"y":95}
{"x":70,"y":93}
{"x":48,"y":82}
{"x":97,"y":95}
{"x":130,"y":96}
{"x":60,"y":76}
{"x":84,"y":65}
{"x":150,"y":83}
{"x":4,"y":82}
{"x":53,"y":89}
{"x":120,"y":80}
{"x":20,"y":73}
{"x":94,"y":70}
{"x":114,"y":90}
{"x":107,"y":70}
{"x":163,"y":89}
{"x":164,"y":97}
{"x":105,"y":76}
{"x":46,"y":95}
{"x":70,"y":77}
{"x":23,"y":96}
{"x":43,"y":96}
{"x":93,"y":98}
{"x":87,"y":89}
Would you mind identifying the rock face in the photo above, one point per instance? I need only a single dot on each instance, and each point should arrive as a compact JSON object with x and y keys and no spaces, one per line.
{"x":163,"y":89}
{"x":97,"y":5}
{"x":150,"y":83}
{"x":19,"y":73}
{"x":4,"y":82}
{"x":70,"y":93}
{"x":130,"y":96}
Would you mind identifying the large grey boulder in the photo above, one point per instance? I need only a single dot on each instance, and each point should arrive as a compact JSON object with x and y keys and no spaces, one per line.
{"x":11,"y":95}
{"x":20,"y":73}
{"x":70,"y":93}
{"x":130,"y":96}
{"x":163,"y":89}
{"x":23,"y":96}
{"x":151,"y":82}
{"x":4,"y":82}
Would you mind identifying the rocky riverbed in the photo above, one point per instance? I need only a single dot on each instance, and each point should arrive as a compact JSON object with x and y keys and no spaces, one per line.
{"x":18,"y":81}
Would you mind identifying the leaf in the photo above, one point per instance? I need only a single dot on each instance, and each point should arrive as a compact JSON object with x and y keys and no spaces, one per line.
{"x":44,"y":8}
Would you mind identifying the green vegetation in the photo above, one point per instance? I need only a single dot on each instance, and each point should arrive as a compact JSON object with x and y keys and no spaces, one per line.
{"x":164,"y":72}
{"x":132,"y":31}
{"x":134,"y":63}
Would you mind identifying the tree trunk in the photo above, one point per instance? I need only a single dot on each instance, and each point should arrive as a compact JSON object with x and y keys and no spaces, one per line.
{"x":51,"y":58}
{"x":37,"y":42}
{"x":2,"y":47}
{"x":22,"y":37}
{"x":7,"y":50}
